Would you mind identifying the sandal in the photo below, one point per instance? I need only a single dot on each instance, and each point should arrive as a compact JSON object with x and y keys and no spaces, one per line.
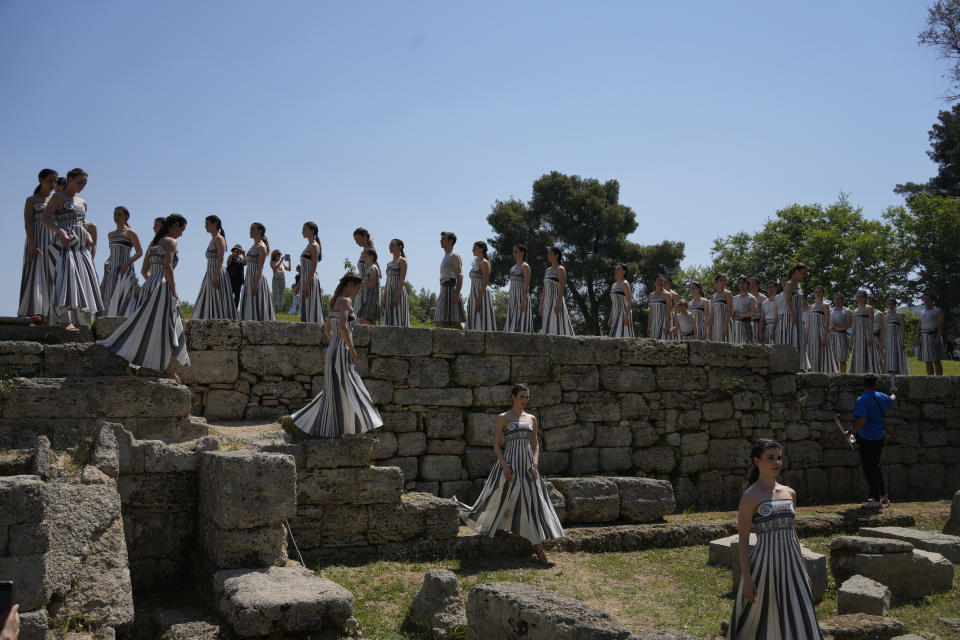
{"x":38,"y":319}
{"x":69,"y":328}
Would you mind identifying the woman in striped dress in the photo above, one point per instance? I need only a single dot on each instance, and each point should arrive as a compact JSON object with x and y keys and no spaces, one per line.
{"x":119,"y":285}
{"x":621,"y":310}
{"x":368,"y":312}
{"x":674,"y":299}
{"x":396,"y":308}
{"x":362,"y":237}
{"x":343,"y":406}
{"x":255,"y":300}
{"x":840,"y":321}
{"x":878,"y":330}
{"x":515,"y":498}
{"x":769,"y":315}
{"x":793,"y":333}
{"x":480,"y":316}
{"x":36,"y":278}
{"x":152,"y":338}
{"x":864,"y":358}
{"x":721,"y":303}
{"x":894,"y":349}
{"x":756,"y":320}
{"x":742,"y":311}
{"x":278,"y":265}
{"x":700,"y":310}
{"x":819,"y":352}
{"x":519,"y":310}
{"x":311,"y":299}
{"x":929,"y":344}
{"x":554,"y":316}
{"x":661,"y":311}
{"x":76,"y":285}
{"x":215,"y":300}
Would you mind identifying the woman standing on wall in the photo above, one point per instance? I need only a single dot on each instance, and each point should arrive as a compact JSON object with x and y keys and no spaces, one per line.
{"x":878,"y":330}
{"x":769,"y":315}
{"x":36,"y":278}
{"x":396,"y":308}
{"x":554,"y":316}
{"x":756,"y":320}
{"x":621,"y":309}
{"x":515,"y":498}
{"x":519,"y":310}
{"x":278,"y":264}
{"x":215,"y":300}
{"x":480,"y":316}
{"x":840,"y":321}
{"x":674,"y":299}
{"x":894,"y":349}
{"x":76,"y":286}
{"x":369,"y":310}
{"x":864,"y":358}
{"x":362,"y":237}
{"x":311,"y":302}
{"x":819,"y":352}
{"x":720,"y":305}
{"x":152,"y":338}
{"x":118,"y":288}
{"x":793,"y":333}
{"x":343,"y":406}
{"x":929,"y":342}
{"x":700,"y":310}
{"x":741,"y":317}
{"x":661,"y":311}
{"x":255,"y":300}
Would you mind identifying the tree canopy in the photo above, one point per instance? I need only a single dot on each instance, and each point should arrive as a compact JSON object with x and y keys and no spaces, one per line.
{"x":945,"y":151}
{"x":943,"y":33}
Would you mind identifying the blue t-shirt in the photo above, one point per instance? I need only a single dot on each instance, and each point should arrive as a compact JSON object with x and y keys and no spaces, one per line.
{"x":872,"y":405}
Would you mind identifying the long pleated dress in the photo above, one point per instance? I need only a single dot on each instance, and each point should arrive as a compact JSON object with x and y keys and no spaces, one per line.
{"x":894,"y":350}
{"x":770,"y":317}
{"x":657,"y":316}
{"x":311,"y":307}
{"x":343,"y":406}
{"x":76,"y":285}
{"x":741,"y":329}
{"x":819,"y":355}
{"x":864,"y":358}
{"x":369,"y":306}
{"x":214,"y":303}
{"x":154,"y":333}
{"x":119,"y":290}
{"x":395,"y":316}
{"x":362,"y":270}
{"x":931,"y":349}
{"x":522,"y":505}
{"x":557,"y":324}
{"x":699,"y":318}
{"x":448,"y":311}
{"x":619,"y":310}
{"x":36,"y":277}
{"x":260,"y":306}
{"x":794,"y":334}
{"x":755,"y":325}
{"x":782,"y":318}
{"x":718,"y":318}
{"x":839,"y":338}
{"x":783,"y":609}
{"x":518,"y":321}
{"x":279,"y":287}
{"x":485,"y":319}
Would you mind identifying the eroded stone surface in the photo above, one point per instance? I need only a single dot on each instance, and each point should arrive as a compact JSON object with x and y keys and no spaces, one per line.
{"x":859,"y":594}
{"x":438,"y":607}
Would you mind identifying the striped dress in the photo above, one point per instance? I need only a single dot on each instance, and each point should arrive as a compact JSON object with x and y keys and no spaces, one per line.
{"x":343,"y":406}
{"x":449,"y":311}
{"x":784,"y":604}
{"x":741,"y":329}
{"x":718,"y":318}
{"x":819,"y":355}
{"x":618,"y":311}
{"x":484,"y":319}
{"x":213,"y":304}
{"x":793,"y":334}
{"x":782,"y":317}
{"x":395,"y":316}
{"x":311,"y":307}
{"x":931,"y":349}
{"x":36,"y":277}
{"x":522,"y":505}
{"x":362,"y":270}
{"x":839,"y":338}
{"x":118,"y":290}
{"x":154,"y":333}
{"x":658,"y":317}
{"x":865,"y":358}
{"x":369,"y":305}
{"x":260,"y":306}
{"x":518,"y":321}
{"x":279,"y":286}
{"x":770,"y":317}
{"x":699,"y":318}
{"x":894,"y":351}
{"x":756,"y":328}
{"x":76,"y":285}
{"x":555,"y":323}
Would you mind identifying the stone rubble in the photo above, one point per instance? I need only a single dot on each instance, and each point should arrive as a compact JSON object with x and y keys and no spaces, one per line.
{"x":858,"y":594}
{"x":438,"y":607}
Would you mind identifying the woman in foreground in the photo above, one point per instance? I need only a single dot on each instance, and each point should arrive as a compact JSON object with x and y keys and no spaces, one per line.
{"x":774,"y":601}
{"x":515,"y":498}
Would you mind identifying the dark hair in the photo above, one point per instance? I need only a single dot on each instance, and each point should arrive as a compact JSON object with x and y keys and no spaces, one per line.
{"x":755,"y":279}
{"x":483,"y":247}
{"x":399,"y":243}
{"x":372,"y":252}
{"x":348,"y":277}
{"x":451,"y":236}
{"x":771,"y":283}
{"x":275,"y":254}
{"x":889,"y":299}
{"x":168,"y":222}
{"x":797,"y":267}
{"x":869,"y":380}
{"x":124,"y":211}
{"x":668,"y":278}
{"x":215,"y":220}
{"x":698,"y":286}
{"x":742,"y":278}
{"x":557,"y":252}
{"x":263,"y":233}
{"x":757,"y":451}
{"x":161,"y":220}
{"x":717,"y":277}
{"x":316,"y":233}
{"x":40,"y":178}
{"x":626,"y":270}
{"x":62,"y":182}
{"x":682,"y":303}
{"x":363,"y":233}
{"x":522,"y":248}
{"x":517,"y":388}
{"x":76,"y":173}
{"x":820,"y":286}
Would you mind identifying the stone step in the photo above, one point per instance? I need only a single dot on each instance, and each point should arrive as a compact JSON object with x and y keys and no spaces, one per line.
{"x":946,"y":545}
{"x":43,"y":334}
{"x":71,"y":359}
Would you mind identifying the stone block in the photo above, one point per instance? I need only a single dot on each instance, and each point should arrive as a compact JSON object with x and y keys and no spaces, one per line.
{"x":413,"y":443}
{"x":582,"y":349}
{"x":952,"y":526}
{"x":617,"y":435}
{"x":785,"y":385}
{"x":541,"y":395}
{"x":723,"y":354}
{"x":450,"y":341}
{"x":395,"y":522}
{"x":784,"y":359}
{"x":728,"y":454}
{"x":207,"y":367}
{"x":273,"y":333}
{"x":474,"y":371}
{"x":585,"y":461}
{"x":631,"y":379}
{"x":614,"y":459}
{"x":721,"y":410}
{"x":289,"y":389}
{"x":568,"y":437}
{"x":557,"y":415}
{"x":105,"y":325}
{"x":392,"y":369}
{"x":718,"y":551}
{"x":674,"y":378}
{"x":861,"y":626}
{"x":408,"y":465}
{"x":282,"y":601}
{"x":598,"y":406}
{"x":645,"y":351}
{"x":80,"y":359}
{"x":438,"y":607}
{"x":694,"y":443}
{"x":332,"y":453}
{"x":480,"y":428}
{"x":161,"y":458}
{"x":399,"y":421}
{"x":354,"y":485}
{"x":908,"y":573}
{"x":212,"y":335}
{"x":946,"y":545}
{"x":479,"y":461}
{"x":445,"y":447}
{"x":449,"y":397}
{"x":21,"y":358}
{"x":645,"y":499}
{"x":633,"y":405}
{"x":656,"y":459}
{"x":554,"y":462}
{"x":589,"y":499}
{"x":429,"y":372}
{"x":21,"y":500}
{"x":444,"y":422}
{"x":527,"y":369}
{"x":244,"y":489}
{"x":224,"y":405}
{"x":332,"y":525}
{"x":862,"y":595}
{"x":234,"y":548}
{"x":729,"y":380}
{"x":400,"y":341}
{"x":441,"y":516}
{"x":386,"y":445}
{"x":574,"y":377}
{"x":440,"y":468}
{"x":284,"y":361}
{"x":109,"y":397}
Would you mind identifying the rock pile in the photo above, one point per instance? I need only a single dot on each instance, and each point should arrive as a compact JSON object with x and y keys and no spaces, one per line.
{"x":909,"y":573}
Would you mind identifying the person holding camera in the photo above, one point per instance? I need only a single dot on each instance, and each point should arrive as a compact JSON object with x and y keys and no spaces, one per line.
{"x":869,"y":430}
{"x":235,"y":271}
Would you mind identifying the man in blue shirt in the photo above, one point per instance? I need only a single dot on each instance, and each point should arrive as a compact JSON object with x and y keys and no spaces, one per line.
{"x":868,"y":427}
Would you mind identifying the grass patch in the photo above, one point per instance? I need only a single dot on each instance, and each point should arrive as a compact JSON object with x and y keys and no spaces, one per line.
{"x":917,"y":368}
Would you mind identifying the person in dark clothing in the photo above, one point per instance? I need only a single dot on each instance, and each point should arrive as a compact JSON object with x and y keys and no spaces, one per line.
{"x":869,"y":429}
{"x":235,"y":271}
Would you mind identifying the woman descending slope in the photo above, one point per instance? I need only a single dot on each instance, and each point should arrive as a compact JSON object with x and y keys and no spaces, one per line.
{"x":119,"y":285}
{"x":36,"y":278}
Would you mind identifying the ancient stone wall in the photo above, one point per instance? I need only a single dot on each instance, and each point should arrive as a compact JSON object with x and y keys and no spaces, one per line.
{"x":681,"y":411}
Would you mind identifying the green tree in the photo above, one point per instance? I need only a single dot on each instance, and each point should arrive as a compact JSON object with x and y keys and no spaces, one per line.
{"x":943,"y":34}
{"x":584,"y":218}
{"x":945,"y":151}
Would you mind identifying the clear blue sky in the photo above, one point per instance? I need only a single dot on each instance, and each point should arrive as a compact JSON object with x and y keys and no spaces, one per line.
{"x":411,"y":117}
